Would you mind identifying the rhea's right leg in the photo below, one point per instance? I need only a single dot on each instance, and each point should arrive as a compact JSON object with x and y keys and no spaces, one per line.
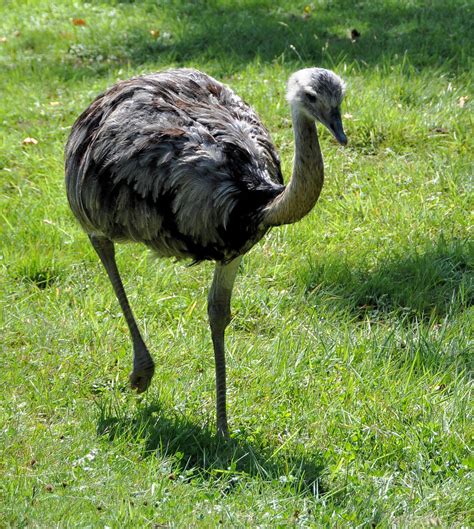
{"x":143,"y":365}
{"x":219,"y":317}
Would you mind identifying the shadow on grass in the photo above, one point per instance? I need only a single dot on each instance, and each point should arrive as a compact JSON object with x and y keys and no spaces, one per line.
{"x":196,"y":452}
{"x":421,"y":285}
{"x":227,"y":35}
{"x":433,"y":34}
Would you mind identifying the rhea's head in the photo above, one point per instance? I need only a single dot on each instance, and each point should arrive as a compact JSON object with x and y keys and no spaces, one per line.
{"x":318,"y":93}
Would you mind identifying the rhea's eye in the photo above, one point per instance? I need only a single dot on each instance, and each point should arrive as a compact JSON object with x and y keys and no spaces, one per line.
{"x":311,"y":97}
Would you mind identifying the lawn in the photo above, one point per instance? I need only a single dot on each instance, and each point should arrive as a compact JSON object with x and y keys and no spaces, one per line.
{"x":350,"y":352}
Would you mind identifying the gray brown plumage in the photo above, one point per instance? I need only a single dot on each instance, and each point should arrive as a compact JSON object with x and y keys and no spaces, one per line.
{"x":174,"y":160}
{"x":177,"y":161}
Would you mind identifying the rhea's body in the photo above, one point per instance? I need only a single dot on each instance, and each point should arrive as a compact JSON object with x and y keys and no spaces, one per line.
{"x":174,"y":160}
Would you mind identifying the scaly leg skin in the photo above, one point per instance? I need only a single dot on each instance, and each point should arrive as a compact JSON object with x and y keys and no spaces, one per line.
{"x":143,"y":365}
{"x":219,"y":317}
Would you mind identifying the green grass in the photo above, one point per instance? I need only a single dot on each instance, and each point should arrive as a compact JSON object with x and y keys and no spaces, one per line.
{"x":350,"y":351}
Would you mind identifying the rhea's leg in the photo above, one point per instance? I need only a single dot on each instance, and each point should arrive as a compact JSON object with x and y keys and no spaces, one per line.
{"x":143,"y":366}
{"x":219,"y":317}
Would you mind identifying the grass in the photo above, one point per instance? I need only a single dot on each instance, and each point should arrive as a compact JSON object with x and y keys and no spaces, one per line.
{"x":350,"y":351}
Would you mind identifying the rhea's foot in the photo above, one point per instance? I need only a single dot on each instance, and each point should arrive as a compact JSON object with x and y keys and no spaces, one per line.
{"x":140,"y":378}
{"x":223,"y":430}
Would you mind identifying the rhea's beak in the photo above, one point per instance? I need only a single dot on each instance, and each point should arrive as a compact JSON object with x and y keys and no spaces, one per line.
{"x":335,"y":126}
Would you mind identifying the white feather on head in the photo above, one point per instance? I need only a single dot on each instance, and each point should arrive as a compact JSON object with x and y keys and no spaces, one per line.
{"x":324,"y":84}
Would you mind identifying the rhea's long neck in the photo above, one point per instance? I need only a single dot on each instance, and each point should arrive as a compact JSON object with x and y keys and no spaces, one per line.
{"x":302,"y":191}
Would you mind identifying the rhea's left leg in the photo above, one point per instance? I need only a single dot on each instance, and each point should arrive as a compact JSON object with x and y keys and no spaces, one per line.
{"x":143,"y":366}
{"x":219,"y":317}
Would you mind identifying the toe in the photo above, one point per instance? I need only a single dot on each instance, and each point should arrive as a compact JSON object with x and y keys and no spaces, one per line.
{"x":140,"y":380}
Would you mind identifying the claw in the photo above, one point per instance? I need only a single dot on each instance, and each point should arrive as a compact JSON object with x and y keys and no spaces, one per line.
{"x":223,"y":430}
{"x":140,"y":379}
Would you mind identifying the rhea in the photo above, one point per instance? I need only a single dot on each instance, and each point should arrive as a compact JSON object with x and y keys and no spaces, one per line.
{"x":177,"y":161}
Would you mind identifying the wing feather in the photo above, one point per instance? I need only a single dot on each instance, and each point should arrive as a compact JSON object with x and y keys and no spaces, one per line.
{"x":172,"y":156}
